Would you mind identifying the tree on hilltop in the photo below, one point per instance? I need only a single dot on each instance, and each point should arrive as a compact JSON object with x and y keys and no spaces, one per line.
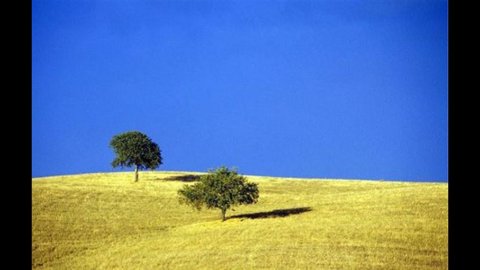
{"x":220,"y":188}
{"x":135,"y":149}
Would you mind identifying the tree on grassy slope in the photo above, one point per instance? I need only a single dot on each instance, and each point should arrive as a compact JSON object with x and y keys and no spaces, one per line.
{"x":221,"y":188}
{"x":135,"y":149}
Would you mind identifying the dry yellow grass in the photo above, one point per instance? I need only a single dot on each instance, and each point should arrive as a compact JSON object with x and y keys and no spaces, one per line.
{"x":105,"y":221}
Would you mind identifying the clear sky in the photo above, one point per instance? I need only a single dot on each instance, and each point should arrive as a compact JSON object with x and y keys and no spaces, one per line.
{"x":329,"y":89}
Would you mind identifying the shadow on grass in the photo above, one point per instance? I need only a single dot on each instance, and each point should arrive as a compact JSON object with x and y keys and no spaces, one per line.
{"x":274,"y":213}
{"x":182,"y":178}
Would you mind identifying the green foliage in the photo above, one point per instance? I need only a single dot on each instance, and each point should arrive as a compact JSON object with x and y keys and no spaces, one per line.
{"x":136,"y":149}
{"x":222,"y":189}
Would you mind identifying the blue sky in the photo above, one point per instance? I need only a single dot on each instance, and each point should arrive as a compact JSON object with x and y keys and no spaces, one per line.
{"x":330,"y":89}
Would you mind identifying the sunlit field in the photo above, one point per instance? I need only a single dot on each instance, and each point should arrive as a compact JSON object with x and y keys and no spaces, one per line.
{"x":106,"y":221}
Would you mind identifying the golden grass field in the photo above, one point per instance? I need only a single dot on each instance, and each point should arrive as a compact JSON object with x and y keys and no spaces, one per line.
{"x":106,"y":221}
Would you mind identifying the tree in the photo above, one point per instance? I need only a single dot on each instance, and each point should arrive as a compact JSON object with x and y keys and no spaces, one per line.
{"x":135,"y":149}
{"x":220,"y":188}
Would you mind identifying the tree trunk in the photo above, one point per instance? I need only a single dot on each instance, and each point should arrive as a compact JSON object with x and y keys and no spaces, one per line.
{"x":136,"y":173}
{"x":223,"y":214}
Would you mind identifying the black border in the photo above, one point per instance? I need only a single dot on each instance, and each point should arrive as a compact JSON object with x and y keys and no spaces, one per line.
{"x":460,"y":217}
{"x":17,"y":126}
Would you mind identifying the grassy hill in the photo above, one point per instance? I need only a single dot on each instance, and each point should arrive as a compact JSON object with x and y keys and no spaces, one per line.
{"x":105,"y":221}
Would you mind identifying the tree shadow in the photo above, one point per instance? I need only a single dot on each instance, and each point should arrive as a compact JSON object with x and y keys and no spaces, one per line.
{"x":182,"y":178}
{"x":275,"y":213}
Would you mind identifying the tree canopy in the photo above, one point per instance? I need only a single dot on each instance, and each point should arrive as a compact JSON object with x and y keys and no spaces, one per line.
{"x":221,"y":188}
{"x":136,"y":149}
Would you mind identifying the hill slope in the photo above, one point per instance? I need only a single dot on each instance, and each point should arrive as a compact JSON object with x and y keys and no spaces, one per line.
{"x":105,"y":221}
